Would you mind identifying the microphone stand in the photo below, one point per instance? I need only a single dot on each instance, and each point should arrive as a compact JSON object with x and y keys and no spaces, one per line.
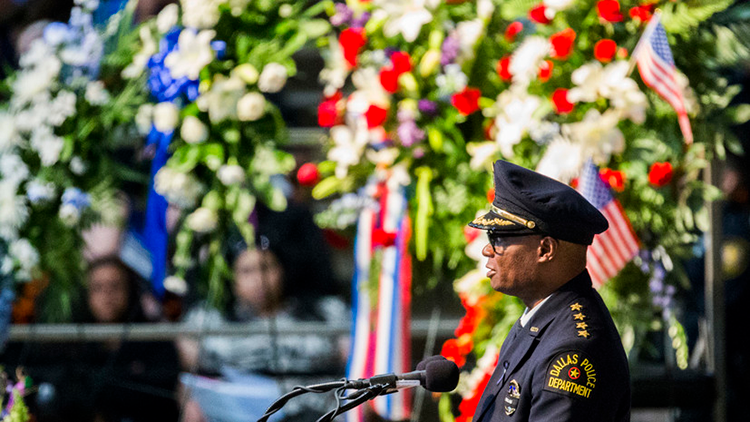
{"x":298,"y":391}
{"x":354,"y":400}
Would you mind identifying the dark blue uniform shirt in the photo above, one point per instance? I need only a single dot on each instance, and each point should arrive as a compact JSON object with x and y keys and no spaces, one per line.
{"x":566,"y":364}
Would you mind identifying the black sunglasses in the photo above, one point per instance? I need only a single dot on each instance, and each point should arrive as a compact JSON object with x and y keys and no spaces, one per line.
{"x":496,"y":238}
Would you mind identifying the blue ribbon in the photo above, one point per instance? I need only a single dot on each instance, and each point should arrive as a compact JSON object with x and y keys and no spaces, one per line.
{"x":155,"y":226}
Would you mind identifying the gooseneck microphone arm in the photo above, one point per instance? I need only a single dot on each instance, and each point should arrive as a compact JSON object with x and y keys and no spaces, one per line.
{"x":298,"y":391}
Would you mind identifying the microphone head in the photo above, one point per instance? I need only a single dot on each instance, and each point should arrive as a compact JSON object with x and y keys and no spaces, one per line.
{"x":421,"y":365}
{"x":441,"y":376}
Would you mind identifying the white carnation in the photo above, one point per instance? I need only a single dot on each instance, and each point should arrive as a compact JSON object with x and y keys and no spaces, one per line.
{"x":221,"y":100}
{"x":69,"y":214}
{"x":9,"y":137}
{"x":273,"y":78}
{"x":26,"y":256}
{"x":47,"y":144}
{"x":96,"y":93}
{"x":12,"y":168}
{"x":194,"y":52}
{"x":167,"y":18}
{"x":200,"y":14}
{"x":143,"y":118}
{"x":180,"y":189}
{"x":202,"y":220}
{"x":251,"y":107}
{"x":193,"y":131}
{"x":166,"y":116}
{"x":13,"y":210}
{"x":176,"y":285}
{"x":231,"y":174}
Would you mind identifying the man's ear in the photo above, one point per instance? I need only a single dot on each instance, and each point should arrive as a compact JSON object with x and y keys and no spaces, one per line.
{"x":549,"y":248}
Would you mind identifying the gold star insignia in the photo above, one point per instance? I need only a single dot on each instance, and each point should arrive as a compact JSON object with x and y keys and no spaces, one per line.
{"x":581,"y":325}
{"x":575,"y":307}
{"x":584,"y":334}
{"x":579,"y":316}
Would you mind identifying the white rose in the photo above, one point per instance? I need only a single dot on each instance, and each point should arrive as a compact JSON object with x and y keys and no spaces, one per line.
{"x":96,"y":94}
{"x":69,"y":214}
{"x":143,"y":118}
{"x":246,"y":72}
{"x":176,"y":285}
{"x":167,"y":18}
{"x":193,"y":131}
{"x":166,"y":116}
{"x":231,"y":174}
{"x":78,"y":166}
{"x":251,"y":107}
{"x":8,"y":132}
{"x":24,"y":253}
{"x":273,"y":78}
{"x":13,"y":168}
{"x":202,"y":220}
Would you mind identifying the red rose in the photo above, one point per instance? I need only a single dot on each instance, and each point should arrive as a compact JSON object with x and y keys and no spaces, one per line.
{"x":490,"y":195}
{"x":352,"y":40}
{"x":375,"y":116}
{"x":604,"y":50}
{"x":502,"y":69}
{"x":545,"y":70}
{"x":466,"y":101}
{"x":622,"y":53}
{"x":389,"y":79}
{"x":538,"y":14}
{"x":614,"y":178}
{"x":562,"y":43}
{"x":328,"y":113}
{"x":641,"y":13}
{"x":470,"y":233}
{"x":513,"y":29}
{"x":401,"y":62}
{"x":660,"y":174}
{"x":560,"y":100}
{"x":609,"y":10}
{"x":308,"y":174}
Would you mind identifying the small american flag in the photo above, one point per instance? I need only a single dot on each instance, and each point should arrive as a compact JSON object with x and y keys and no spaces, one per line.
{"x":614,"y":248}
{"x":656,"y":65}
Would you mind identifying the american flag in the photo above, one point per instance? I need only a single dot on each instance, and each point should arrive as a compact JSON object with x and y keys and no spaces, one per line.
{"x":656,"y":65}
{"x":612,"y":249}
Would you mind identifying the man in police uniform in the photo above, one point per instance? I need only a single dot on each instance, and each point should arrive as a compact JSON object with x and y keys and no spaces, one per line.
{"x":563,"y":359}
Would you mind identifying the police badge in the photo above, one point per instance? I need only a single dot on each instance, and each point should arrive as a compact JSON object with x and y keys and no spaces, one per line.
{"x":510,"y":402}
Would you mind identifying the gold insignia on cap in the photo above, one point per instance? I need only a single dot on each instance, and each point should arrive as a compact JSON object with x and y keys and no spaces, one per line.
{"x":579,"y":316}
{"x":584,"y":334}
{"x":512,"y":217}
{"x":576,"y":307}
{"x":482,"y":221}
{"x":581,"y":325}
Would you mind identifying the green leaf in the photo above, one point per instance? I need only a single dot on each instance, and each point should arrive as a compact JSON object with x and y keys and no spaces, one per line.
{"x":424,"y":211}
{"x":315,"y":28}
{"x":326,"y":187}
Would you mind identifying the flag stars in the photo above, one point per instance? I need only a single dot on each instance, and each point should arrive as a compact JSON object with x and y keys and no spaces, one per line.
{"x":576,"y":307}
{"x":579,"y":316}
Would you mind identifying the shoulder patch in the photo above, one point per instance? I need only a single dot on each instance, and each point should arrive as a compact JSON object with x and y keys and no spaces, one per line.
{"x":571,"y":373}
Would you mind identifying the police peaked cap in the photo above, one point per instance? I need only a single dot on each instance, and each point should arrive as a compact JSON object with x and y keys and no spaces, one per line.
{"x":528,"y":202}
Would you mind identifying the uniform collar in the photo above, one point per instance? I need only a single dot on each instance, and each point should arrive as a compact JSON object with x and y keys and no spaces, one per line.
{"x":541,"y":317}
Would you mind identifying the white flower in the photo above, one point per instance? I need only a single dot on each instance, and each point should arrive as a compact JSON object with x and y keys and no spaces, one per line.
{"x":485,"y":9}
{"x":597,"y":134}
{"x":47,"y":144}
{"x":96,"y":94}
{"x":469,"y":33}
{"x":69,"y":214}
{"x":26,"y":256}
{"x":285,"y":10}
{"x":38,"y":191}
{"x":557,"y":5}
{"x":180,"y":189}
{"x":348,"y":146}
{"x":246,"y":72}
{"x":524,"y":63}
{"x":251,"y":107}
{"x":140,"y":59}
{"x":143,"y":118}
{"x":383,"y":158}
{"x":9,"y":137}
{"x":194,"y":52}
{"x":202,"y":220}
{"x":562,"y":160}
{"x":78,"y":166}
{"x":39,"y":52}
{"x":238,"y":6}
{"x":13,"y":210}
{"x":453,"y":80}
{"x":62,"y":107}
{"x":587,"y":79}
{"x":167,"y":18}
{"x":88,"y":51}
{"x":272,"y":78}
{"x":176,"y":285}
{"x":515,"y":118}
{"x":231,"y":174}
{"x":367,"y":93}
{"x":166,"y":116}
{"x":193,"y":131}
{"x":405,"y":17}
{"x":221,"y":100}
{"x":32,"y":82}
{"x":481,"y":153}
{"x":12,"y":168}
{"x":201,"y":14}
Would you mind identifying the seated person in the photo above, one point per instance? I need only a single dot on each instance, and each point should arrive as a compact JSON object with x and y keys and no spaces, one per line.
{"x":259,"y":294}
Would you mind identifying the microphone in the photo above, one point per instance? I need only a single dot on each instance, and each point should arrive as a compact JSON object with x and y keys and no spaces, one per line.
{"x":438,"y":375}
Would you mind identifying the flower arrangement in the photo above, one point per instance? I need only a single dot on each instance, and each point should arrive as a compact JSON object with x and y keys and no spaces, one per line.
{"x":436,"y":91}
{"x":60,"y":131}
{"x":210,"y":67}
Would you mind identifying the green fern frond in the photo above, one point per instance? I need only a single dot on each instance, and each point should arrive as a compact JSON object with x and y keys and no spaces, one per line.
{"x":684,"y":16}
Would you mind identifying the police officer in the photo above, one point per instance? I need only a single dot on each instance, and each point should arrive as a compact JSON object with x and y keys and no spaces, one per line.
{"x":563,"y":359}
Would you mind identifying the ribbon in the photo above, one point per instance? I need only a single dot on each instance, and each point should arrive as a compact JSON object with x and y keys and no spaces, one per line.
{"x":155,"y":226}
